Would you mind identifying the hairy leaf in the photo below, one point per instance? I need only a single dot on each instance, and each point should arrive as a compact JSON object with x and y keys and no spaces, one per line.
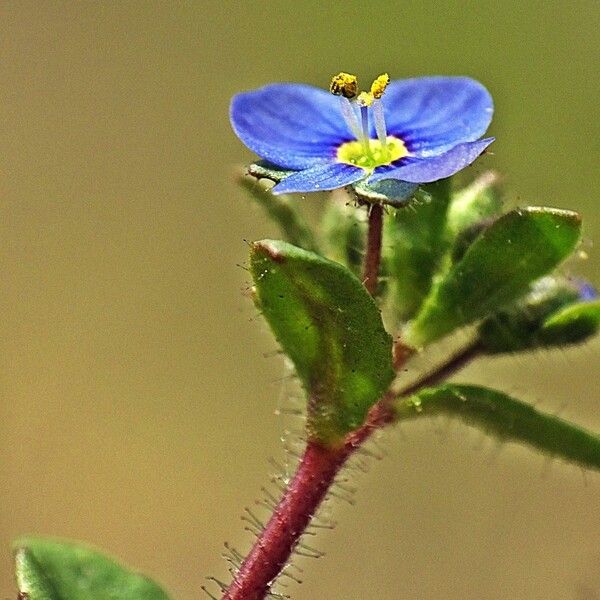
{"x":506,"y":418}
{"x":496,"y":269}
{"x":331,"y":329}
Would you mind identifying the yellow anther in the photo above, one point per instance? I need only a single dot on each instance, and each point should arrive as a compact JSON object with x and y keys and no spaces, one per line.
{"x":379,"y":85}
{"x":365,"y":99}
{"x":344,"y":84}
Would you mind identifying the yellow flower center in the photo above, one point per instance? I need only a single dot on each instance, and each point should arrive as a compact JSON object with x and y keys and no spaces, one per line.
{"x":377,"y":154}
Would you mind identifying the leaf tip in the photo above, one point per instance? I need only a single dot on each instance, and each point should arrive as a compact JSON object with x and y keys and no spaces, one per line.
{"x":270,"y":249}
{"x":28,"y":575}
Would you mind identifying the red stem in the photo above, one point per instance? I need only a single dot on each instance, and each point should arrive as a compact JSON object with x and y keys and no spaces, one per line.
{"x":314,"y":476}
{"x":455,"y":363}
{"x":373,"y":256}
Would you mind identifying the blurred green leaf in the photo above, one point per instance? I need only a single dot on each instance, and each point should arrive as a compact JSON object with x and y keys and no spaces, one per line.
{"x":282,"y":210}
{"x":472,"y":210}
{"x":518,"y":326}
{"x":574,"y":323}
{"x":413,"y":243}
{"x":53,"y":570}
{"x":344,"y":230}
{"x":496,"y":269}
{"x":477,"y":202}
{"x":331,"y":329}
{"x":466,"y":237}
{"x":506,"y":418}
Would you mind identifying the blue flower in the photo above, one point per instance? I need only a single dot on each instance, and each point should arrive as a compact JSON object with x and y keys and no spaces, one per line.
{"x":413,"y":130}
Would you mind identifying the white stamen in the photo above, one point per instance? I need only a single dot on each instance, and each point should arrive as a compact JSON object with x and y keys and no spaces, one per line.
{"x":350,"y":117}
{"x":379,"y":119}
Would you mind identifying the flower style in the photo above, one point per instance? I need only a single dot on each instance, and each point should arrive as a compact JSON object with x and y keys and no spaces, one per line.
{"x":413,"y":130}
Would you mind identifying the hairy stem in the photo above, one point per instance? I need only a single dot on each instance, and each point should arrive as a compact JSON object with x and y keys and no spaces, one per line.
{"x":373,"y":256}
{"x":303,"y":496}
{"x":313,"y":478}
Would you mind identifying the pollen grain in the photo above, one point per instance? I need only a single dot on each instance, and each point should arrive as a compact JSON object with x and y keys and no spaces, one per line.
{"x":344,"y":84}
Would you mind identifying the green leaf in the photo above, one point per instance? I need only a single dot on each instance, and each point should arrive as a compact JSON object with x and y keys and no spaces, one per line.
{"x":55,"y":570}
{"x":496,"y":269}
{"x":282,"y":210}
{"x":331,"y":329}
{"x":518,"y":326}
{"x":574,"y":323}
{"x":413,"y":243}
{"x":344,"y":229}
{"x":506,"y":418}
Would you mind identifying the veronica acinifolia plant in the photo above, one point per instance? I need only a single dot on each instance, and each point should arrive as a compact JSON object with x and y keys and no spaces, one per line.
{"x":398,"y":237}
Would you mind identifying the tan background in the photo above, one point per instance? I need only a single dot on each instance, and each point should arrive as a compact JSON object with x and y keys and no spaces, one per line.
{"x":136,"y":404}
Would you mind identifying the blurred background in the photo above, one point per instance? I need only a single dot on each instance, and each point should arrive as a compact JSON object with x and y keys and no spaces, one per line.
{"x":138,"y":387}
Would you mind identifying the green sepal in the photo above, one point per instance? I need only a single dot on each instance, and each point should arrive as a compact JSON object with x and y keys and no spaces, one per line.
{"x":344,"y":230}
{"x":330,"y":328}
{"x":58,"y":570}
{"x":518,"y":326}
{"x":505,"y":418}
{"x":267,"y":170}
{"x":573,"y":324}
{"x":282,"y":210}
{"x":387,"y":191}
{"x":414,"y":242}
{"x":496,"y":269}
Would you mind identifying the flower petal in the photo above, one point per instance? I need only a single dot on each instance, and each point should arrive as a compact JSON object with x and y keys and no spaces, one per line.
{"x":320,"y":178}
{"x":424,"y":170}
{"x":433,"y":114}
{"x":291,"y":125}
